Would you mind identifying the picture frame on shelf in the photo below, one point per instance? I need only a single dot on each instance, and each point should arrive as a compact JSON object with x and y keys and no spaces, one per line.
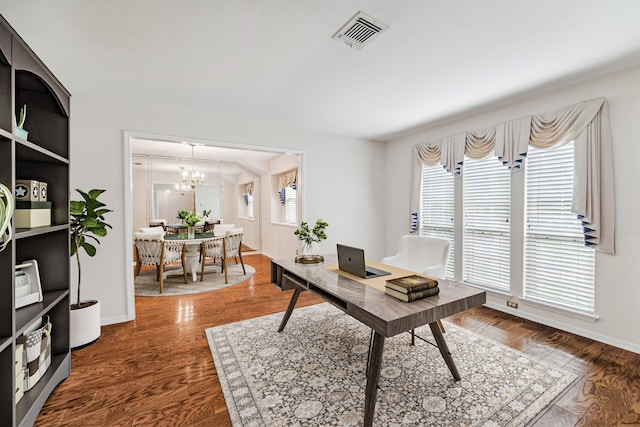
{"x":28,"y":289}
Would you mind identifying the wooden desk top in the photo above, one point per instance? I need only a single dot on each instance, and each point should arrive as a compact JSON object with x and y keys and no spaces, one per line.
{"x":368,"y":303}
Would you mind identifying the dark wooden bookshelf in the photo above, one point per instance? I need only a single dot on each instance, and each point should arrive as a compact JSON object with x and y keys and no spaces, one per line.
{"x":42,"y":156}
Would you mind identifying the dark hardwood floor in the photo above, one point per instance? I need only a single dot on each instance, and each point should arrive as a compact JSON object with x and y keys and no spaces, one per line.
{"x":157,"y":370}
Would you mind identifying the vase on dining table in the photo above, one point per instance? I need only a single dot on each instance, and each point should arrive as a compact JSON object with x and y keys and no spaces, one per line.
{"x":191,"y":232}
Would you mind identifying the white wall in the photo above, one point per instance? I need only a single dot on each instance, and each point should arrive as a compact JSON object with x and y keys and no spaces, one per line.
{"x":98,"y":124}
{"x":617,"y":277}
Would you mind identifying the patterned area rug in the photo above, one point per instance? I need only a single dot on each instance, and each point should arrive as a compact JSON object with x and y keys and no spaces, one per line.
{"x":313,"y":374}
{"x":146,"y":284}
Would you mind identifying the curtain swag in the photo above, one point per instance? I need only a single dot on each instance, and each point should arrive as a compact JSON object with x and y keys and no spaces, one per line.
{"x":288,"y":179}
{"x":585,"y":123}
{"x":248,"y":188}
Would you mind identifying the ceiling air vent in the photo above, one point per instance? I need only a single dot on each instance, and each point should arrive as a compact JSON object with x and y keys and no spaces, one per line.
{"x":360,"y":30}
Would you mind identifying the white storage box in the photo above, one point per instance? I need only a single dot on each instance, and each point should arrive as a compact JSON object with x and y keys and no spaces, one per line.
{"x":32,"y":214}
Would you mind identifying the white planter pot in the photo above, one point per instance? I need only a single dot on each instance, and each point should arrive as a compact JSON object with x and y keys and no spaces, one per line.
{"x":85,"y":325}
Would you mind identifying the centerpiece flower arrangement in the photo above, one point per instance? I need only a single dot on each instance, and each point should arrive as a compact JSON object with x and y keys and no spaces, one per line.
{"x":190,"y":219}
{"x":310,"y":239}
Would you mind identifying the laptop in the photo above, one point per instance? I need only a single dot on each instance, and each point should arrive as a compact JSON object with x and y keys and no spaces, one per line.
{"x":351,"y":260}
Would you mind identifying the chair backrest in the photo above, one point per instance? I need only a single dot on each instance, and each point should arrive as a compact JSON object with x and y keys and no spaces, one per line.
{"x":426,"y":255}
{"x":221,"y":229}
{"x":172,"y":251}
{"x":150,"y":233}
{"x":232,"y":242}
{"x":149,"y":251}
{"x":212,"y":248}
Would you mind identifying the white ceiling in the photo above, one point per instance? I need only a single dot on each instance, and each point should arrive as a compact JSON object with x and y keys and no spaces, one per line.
{"x":275,"y":60}
{"x":165,"y":156}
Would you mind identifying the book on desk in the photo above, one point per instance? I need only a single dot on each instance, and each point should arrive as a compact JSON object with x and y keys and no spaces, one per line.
{"x":411,"y":288}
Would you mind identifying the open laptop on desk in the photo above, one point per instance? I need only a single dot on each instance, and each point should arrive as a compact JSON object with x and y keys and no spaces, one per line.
{"x":351,"y":260}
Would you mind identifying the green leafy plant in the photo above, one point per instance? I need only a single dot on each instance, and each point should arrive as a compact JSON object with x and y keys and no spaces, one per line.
{"x":86,"y":224}
{"x":307,"y":235}
{"x":191,"y":219}
{"x":6,"y":212}
{"x":23,"y":116}
{"x":206,"y":213}
{"x":182,"y":214}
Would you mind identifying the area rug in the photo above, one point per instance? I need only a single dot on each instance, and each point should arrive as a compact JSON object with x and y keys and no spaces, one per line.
{"x":313,"y":374}
{"x":146,"y":284}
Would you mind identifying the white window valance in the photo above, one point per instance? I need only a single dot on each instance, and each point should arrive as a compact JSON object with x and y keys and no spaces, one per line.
{"x":586,"y":123}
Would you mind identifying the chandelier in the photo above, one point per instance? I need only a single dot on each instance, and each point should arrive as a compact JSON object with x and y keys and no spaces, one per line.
{"x":189,"y":180}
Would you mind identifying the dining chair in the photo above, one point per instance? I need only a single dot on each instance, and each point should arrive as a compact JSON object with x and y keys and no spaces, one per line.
{"x":159,"y":253}
{"x":211,"y":248}
{"x":232,"y":245}
{"x":424,"y":255}
{"x":221,"y":229}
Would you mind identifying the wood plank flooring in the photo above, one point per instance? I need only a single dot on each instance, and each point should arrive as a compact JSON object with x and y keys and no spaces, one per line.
{"x":157,"y":370}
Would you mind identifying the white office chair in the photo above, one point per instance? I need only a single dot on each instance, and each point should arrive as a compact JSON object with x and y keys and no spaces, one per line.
{"x":424,"y":255}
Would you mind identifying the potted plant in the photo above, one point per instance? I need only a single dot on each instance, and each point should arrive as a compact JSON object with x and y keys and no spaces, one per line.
{"x":310,"y":239}
{"x":6,"y":212}
{"x":19,"y":126}
{"x":86,"y":225}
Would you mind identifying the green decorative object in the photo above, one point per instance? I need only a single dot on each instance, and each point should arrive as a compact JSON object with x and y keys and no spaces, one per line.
{"x":20,"y":132}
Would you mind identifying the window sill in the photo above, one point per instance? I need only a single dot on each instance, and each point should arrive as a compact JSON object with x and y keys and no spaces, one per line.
{"x":497,"y":292}
{"x":283,"y":224}
{"x":246,"y":218}
{"x":588,"y":317}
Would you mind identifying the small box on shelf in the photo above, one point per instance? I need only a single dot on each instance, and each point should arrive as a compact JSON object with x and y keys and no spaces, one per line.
{"x":19,"y":372}
{"x":32,"y":214}
{"x":27,"y":190}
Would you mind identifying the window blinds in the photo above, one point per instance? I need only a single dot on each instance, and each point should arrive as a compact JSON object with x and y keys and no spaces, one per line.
{"x":558,"y":268}
{"x":486,"y":229}
{"x":290,"y":209}
{"x":437,"y":207}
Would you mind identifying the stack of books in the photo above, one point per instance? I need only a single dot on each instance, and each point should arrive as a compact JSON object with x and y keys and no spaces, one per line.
{"x":411,"y":288}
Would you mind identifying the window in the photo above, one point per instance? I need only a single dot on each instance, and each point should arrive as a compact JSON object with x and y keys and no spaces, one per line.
{"x":290,"y":216}
{"x":437,"y":207}
{"x":248,"y":199}
{"x":558,"y":267}
{"x":486,"y":228}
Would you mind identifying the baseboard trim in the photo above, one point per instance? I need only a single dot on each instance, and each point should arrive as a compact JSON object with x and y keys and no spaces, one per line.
{"x":625,"y":345}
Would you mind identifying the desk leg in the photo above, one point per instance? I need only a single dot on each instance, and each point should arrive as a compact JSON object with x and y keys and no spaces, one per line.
{"x":287,"y":314}
{"x":373,"y":374}
{"x":444,"y":350}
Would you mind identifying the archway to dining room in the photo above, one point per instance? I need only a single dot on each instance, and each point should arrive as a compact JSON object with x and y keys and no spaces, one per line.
{"x":239,"y":187}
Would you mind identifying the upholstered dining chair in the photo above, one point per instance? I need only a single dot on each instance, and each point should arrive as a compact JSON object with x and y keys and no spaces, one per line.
{"x":159,"y":253}
{"x":229,"y":246}
{"x":211,"y":248}
{"x":221,"y":229}
{"x":424,"y":255}
{"x":233,"y":248}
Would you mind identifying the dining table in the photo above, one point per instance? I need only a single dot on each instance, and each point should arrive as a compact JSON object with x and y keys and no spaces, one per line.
{"x":192,"y":249}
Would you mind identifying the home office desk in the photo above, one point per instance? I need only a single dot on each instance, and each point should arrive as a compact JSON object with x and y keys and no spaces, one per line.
{"x":365,"y":301}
